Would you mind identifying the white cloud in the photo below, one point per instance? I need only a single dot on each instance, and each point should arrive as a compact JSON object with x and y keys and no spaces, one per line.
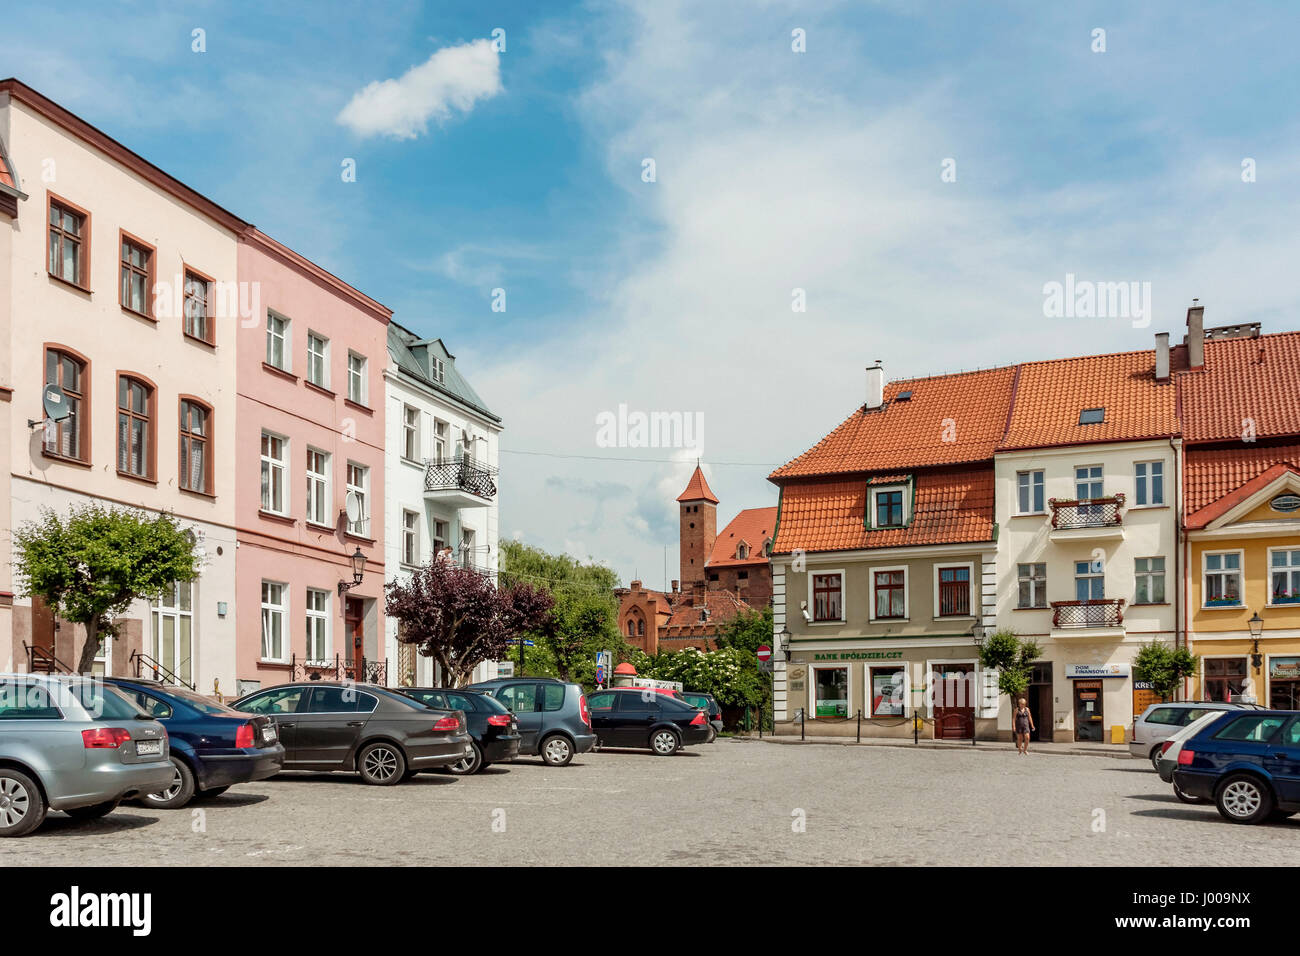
{"x":453,"y":79}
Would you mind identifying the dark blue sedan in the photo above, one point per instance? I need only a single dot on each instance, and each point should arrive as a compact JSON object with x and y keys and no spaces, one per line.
{"x":212,"y":746}
{"x":1247,"y":763}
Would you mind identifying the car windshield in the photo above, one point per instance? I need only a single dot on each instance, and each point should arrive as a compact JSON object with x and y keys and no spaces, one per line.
{"x":200,"y":703}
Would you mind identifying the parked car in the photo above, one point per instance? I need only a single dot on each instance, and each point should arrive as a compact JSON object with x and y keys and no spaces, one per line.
{"x":1169,"y":750}
{"x":710,"y":705}
{"x":1247,"y":763}
{"x":379,"y":733}
{"x":212,"y":746}
{"x":494,"y":729}
{"x":73,"y":744}
{"x":1159,"y":722}
{"x":553,"y":718}
{"x":629,"y":717}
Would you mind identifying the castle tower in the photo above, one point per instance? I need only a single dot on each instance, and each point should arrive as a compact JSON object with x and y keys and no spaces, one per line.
{"x":699,"y":527}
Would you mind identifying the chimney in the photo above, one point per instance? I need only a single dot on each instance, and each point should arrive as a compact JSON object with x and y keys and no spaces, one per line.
{"x":635,"y":586}
{"x":1162,"y":356}
{"x":1196,"y":335}
{"x":875,"y":386}
{"x":675,"y":586}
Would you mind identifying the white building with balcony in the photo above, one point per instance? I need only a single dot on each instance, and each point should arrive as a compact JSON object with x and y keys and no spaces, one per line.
{"x":1086,"y":499}
{"x":441,"y":446}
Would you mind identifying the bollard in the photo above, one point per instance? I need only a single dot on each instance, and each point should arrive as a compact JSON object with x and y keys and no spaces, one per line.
{"x":802,"y":718}
{"x":859,"y":725}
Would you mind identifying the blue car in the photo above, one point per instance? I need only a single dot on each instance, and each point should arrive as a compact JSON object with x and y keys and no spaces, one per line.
{"x":212,"y":746}
{"x":1247,"y":763}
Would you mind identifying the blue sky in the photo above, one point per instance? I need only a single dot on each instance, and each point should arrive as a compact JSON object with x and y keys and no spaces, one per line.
{"x":775,"y":170}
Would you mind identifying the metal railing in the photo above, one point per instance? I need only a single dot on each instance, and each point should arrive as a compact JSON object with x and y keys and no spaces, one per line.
{"x":460,"y":474}
{"x":362,"y":671}
{"x":41,"y":661}
{"x":155,"y":671}
{"x":1087,"y":512}
{"x":1106,"y":612}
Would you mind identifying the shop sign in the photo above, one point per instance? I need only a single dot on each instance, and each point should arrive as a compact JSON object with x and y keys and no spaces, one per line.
{"x":859,"y":656}
{"x":1284,"y":668}
{"x":1144,"y":696}
{"x":1076,"y":671}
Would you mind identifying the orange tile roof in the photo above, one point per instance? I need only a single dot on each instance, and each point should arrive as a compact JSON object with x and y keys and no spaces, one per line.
{"x":951,"y":506}
{"x":1216,"y":480}
{"x":753,"y":526}
{"x":1050,"y":395}
{"x":1256,"y":379}
{"x":697,"y":489}
{"x":949,"y":419}
{"x":723,"y":606}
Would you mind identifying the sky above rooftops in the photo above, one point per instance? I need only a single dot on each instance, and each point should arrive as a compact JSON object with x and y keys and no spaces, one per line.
{"x":774,"y":171}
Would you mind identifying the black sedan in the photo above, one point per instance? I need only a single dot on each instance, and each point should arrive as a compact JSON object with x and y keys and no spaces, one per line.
{"x":374,"y":731}
{"x":493,"y":727}
{"x":634,"y":717}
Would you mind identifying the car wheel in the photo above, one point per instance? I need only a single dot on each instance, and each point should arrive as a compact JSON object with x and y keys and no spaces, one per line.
{"x":713,"y":735}
{"x":92,"y":812}
{"x":381,"y":764}
{"x":664,"y":743}
{"x":1155,"y":757}
{"x":212,"y":792}
{"x":178,"y":794}
{"x":1243,"y":798}
{"x":1186,"y":797}
{"x":22,"y":808}
{"x":467,"y":766}
{"x":556,"y":750}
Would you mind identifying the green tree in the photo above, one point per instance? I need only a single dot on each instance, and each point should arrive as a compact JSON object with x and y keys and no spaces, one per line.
{"x":1013,"y":659}
{"x":583,"y":621}
{"x":92,"y":565}
{"x":1164,"y":666}
{"x":747,"y":631}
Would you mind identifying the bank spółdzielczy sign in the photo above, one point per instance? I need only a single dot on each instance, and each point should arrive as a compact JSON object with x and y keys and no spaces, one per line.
{"x":859,"y":656}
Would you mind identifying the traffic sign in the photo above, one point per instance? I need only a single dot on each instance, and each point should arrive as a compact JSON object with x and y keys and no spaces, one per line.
{"x":764,"y":652}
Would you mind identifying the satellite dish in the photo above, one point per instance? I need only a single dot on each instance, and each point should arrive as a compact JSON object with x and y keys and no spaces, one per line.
{"x":352,"y":505}
{"x":55,"y":402}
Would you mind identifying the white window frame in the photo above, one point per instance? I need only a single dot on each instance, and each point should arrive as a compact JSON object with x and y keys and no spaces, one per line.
{"x":973,"y":597}
{"x":844,"y":596}
{"x":324,"y":620}
{"x":438,"y":543}
{"x":1269,"y":582}
{"x":286,"y":340}
{"x":324,"y":359}
{"x":411,"y":434}
{"x":283,"y":609}
{"x":811,"y":712}
{"x":1241,"y":579}
{"x":362,"y":396}
{"x":441,"y":440}
{"x":1163,"y":574}
{"x":362,"y":528}
{"x":906,"y":500}
{"x":1101,"y":479}
{"x":869,"y":687}
{"x":282,"y":464}
{"x":321,"y":479}
{"x":467,"y":560}
{"x":1146,"y":483}
{"x":1033,"y":589}
{"x":907,"y":594}
{"x":1029,"y":489}
{"x":413,"y":532}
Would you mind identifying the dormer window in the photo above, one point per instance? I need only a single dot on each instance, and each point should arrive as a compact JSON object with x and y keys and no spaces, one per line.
{"x":1092,"y":416}
{"x":438,"y":370}
{"x":888,"y":507}
{"x":742,"y":551}
{"x":767,"y":548}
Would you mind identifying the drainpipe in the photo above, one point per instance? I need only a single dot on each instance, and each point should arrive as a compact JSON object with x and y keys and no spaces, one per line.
{"x":1180,"y":639}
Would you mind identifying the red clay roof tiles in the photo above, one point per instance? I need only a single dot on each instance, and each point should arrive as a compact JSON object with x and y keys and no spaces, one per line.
{"x":1215,"y":480}
{"x":1256,"y":379}
{"x":697,"y":489}
{"x":753,"y":526}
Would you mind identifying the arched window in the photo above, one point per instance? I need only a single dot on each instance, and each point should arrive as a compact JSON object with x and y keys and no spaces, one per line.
{"x":196,"y":446}
{"x":742,"y":551}
{"x":135,"y":427}
{"x":640,"y":628}
{"x":69,"y":438}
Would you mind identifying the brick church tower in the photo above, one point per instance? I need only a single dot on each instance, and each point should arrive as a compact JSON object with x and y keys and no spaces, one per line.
{"x":699,"y":528}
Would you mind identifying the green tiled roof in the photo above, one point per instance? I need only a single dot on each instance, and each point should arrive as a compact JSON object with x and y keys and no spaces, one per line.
{"x":411,"y":355}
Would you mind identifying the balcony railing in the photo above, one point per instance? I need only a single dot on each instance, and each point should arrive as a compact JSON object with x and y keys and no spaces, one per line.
{"x":1087,"y":512}
{"x":362,"y":671}
{"x":460,"y":474}
{"x":1106,"y":612}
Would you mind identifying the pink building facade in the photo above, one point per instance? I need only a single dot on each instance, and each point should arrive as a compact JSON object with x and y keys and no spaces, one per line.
{"x":309,"y":453}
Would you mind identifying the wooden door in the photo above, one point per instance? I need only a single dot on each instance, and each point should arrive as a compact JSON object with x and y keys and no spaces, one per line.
{"x":954,"y":701}
{"x":354,"y":631}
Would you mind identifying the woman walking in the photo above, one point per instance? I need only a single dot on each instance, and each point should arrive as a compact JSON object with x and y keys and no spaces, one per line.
{"x":1024,"y":725}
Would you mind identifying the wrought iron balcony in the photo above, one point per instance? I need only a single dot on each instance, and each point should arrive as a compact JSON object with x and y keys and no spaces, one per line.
{"x":1106,"y":612}
{"x":1087,"y":513}
{"x":362,"y":671}
{"x":460,"y":481}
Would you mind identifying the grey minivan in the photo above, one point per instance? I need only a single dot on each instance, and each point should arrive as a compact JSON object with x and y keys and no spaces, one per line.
{"x":73,"y":744}
{"x":553,"y":718}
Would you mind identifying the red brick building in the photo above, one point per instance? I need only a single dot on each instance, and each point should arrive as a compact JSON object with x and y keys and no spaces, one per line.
{"x":723,"y":575}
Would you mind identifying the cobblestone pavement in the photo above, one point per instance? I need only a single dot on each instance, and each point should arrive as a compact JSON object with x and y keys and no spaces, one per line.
{"x":734,"y":802}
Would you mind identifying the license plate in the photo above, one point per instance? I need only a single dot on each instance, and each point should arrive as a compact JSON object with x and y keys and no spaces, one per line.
{"x":145,"y":748}
{"x":268,"y":734}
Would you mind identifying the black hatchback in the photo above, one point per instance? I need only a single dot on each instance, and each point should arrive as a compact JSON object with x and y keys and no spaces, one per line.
{"x":376,"y":732}
{"x":635,"y":717}
{"x":494,"y":729}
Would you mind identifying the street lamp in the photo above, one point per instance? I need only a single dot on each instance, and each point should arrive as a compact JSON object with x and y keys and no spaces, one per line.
{"x":358,"y":571}
{"x":783,"y":641}
{"x":1256,"y":632}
